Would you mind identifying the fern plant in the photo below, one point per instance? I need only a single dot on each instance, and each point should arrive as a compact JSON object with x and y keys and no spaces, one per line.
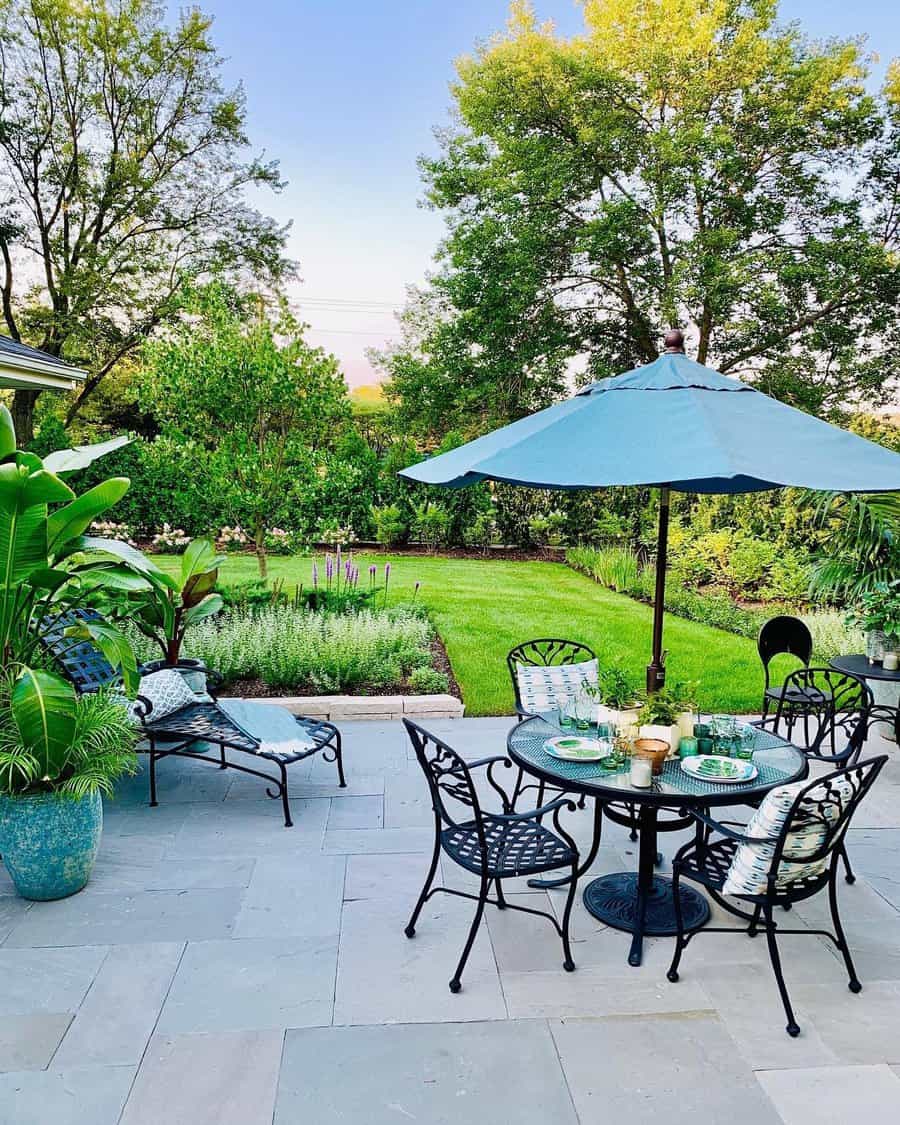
{"x":98,"y":749}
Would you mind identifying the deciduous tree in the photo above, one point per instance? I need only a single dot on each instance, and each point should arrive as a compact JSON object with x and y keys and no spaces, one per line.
{"x":123,"y":169}
{"x":681,"y":163}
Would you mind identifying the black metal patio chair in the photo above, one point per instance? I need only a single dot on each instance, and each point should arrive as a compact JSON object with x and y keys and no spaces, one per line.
{"x":780,"y":635}
{"x":833,"y":723}
{"x":544,"y":652}
{"x":177,"y":734}
{"x":793,"y":864}
{"x":493,"y":846}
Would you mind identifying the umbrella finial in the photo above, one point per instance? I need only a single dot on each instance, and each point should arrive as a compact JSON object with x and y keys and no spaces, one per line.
{"x":674,"y":342}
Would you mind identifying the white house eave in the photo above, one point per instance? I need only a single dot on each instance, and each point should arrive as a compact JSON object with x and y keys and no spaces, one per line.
{"x":33,"y":374}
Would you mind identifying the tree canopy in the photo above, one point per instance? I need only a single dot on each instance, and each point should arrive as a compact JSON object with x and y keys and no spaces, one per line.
{"x":123,"y":170}
{"x":685,"y":163}
{"x":237,"y":379}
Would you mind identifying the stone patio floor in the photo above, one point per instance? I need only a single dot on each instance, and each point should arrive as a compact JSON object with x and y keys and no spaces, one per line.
{"x":222,"y":970}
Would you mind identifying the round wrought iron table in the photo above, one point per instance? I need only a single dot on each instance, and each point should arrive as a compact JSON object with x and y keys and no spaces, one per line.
{"x":858,"y":664}
{"x":641,"y":902}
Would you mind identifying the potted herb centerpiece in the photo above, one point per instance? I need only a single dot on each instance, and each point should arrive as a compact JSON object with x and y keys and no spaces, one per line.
{"x":58,"y":752}
{"x":878,"y":614}
{"x":658,"y":718}
{"x":621,"y":700}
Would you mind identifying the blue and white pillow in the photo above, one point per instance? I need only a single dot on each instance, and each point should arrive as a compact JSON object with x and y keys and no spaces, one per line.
{"x":544,"y":688}
{"x":748,"y":874}
{"x":167,"y":692}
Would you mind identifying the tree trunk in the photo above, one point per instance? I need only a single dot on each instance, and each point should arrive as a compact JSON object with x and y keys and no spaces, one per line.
{"x":23,"y":415}
{"x":261,"y":558}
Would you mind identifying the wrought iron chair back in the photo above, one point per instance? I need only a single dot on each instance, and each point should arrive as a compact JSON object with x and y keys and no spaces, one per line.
{"x":545,"y":652}
{"x":830,"y":803}
{"x":81,"y":661}
{"x":783,"y":634}
{"x":448,"y":778}
{"x":832,"y":710}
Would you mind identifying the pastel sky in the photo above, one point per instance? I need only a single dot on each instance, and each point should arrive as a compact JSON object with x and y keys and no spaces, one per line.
{"x":346,"y":96}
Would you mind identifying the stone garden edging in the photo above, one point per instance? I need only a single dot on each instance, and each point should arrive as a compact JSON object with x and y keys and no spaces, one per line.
{"x":378,"y":708}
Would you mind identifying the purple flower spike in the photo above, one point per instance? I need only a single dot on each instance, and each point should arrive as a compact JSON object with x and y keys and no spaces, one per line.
{"x":315,"y":575}
{"x":387,"y":570}
{"x":372,"y":569}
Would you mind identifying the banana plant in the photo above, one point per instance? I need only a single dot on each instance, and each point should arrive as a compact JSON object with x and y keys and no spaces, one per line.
{"x":48,"y":563}
{"x":169,"y":606}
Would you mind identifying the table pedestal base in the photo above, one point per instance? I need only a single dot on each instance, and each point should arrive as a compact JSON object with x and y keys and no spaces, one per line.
{"x":617,"y":900}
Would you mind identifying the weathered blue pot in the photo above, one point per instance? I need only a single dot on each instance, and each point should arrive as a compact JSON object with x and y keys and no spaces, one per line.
{"x":49,"y":842}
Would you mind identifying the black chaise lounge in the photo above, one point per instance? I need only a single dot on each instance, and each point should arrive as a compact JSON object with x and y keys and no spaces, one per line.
{"x":177,"y":734}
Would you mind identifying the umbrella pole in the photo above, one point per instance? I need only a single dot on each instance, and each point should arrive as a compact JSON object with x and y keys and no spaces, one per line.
{"x":656,"y":669}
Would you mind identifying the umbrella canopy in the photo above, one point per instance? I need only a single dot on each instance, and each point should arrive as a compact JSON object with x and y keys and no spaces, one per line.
{"x":674,"y":424}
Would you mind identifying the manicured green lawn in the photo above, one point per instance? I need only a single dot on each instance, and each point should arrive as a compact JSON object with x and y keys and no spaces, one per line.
{"x":483,"y":608}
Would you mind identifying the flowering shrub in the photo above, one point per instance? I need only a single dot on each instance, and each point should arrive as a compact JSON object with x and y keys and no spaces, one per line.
{"x":109,"y":530}
{"x":170,"y":539}
{"x":329,"y":532}
{"x":233,"y":538}
{"x":302,"y":650}
{"x":281,"y":542}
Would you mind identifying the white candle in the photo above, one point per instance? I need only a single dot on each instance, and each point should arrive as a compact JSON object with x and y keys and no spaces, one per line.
{"x":641,"y":773}
{"x":890,"y":662}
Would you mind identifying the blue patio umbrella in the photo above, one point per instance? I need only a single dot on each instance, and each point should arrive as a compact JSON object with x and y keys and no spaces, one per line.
{"x":673,"y":424}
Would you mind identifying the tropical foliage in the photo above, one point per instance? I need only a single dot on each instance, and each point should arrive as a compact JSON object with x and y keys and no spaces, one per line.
{"x":48,"y":738}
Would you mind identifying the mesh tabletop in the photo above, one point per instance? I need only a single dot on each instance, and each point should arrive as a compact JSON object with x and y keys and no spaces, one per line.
{"x":777,"y":763}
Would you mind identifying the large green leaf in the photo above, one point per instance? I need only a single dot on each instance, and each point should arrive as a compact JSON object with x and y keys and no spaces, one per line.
{"x":74,"y":518}
{"x":210,"y":605}
{"x":114,"y":645}
{"x":113,"y":578}
{"x":79,"y":457}
{"x":115,"y":548}
{"x":43,"y":707}
{"x":7,"y":433}
{"x":23,"y":545}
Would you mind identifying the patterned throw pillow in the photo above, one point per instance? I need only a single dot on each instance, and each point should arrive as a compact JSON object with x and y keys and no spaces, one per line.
{"x":542,"y":688}
{"x":750,"y":866}
{"x":166,"y":690}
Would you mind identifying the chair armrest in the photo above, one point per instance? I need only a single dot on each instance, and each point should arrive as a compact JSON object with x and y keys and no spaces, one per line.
{"x":534,"y":814}
{"x":722,"y":828}
{"x":489,"y":761}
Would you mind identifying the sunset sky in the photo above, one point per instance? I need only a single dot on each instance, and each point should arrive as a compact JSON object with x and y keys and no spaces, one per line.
{"x":346,"y":95}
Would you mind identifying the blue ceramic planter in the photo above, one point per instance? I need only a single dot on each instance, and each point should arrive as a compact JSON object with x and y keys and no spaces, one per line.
{"x":49,"y":842}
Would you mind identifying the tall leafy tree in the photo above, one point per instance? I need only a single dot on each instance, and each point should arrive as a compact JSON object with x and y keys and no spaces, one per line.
{"x":237,"y":378}
{"x":681,"y":163}
{"x":123,"y":169}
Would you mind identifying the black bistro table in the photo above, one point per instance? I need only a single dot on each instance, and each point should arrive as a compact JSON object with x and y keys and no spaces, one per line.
{"x":886,"y":699}
{"x":642,"y":902}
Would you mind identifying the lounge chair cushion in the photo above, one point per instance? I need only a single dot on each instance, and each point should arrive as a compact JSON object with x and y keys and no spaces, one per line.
{"x":167,"y":692}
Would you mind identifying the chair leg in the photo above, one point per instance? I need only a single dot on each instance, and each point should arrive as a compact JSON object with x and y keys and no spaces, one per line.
{"x":568,"y":963}
{"x":753,"y":928}
{"x":429,"y":879}
{"x":792,"y":1027}
{"x":501,"y":901}
{"x":633,"y":834}
{"x":223,"y":764}
{"x":848,"y":870}
{"x":339,"y":758}
{"x":853,"y":983}
{"x":680,"y":943}
{"x":153,"y":800}
{"x":456,"y":983}
{"x":285,"y":801}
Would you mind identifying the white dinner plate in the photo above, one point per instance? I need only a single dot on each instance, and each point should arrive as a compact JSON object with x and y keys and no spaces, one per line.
{"x":573,"y":748}
{"x":722,"y":771}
